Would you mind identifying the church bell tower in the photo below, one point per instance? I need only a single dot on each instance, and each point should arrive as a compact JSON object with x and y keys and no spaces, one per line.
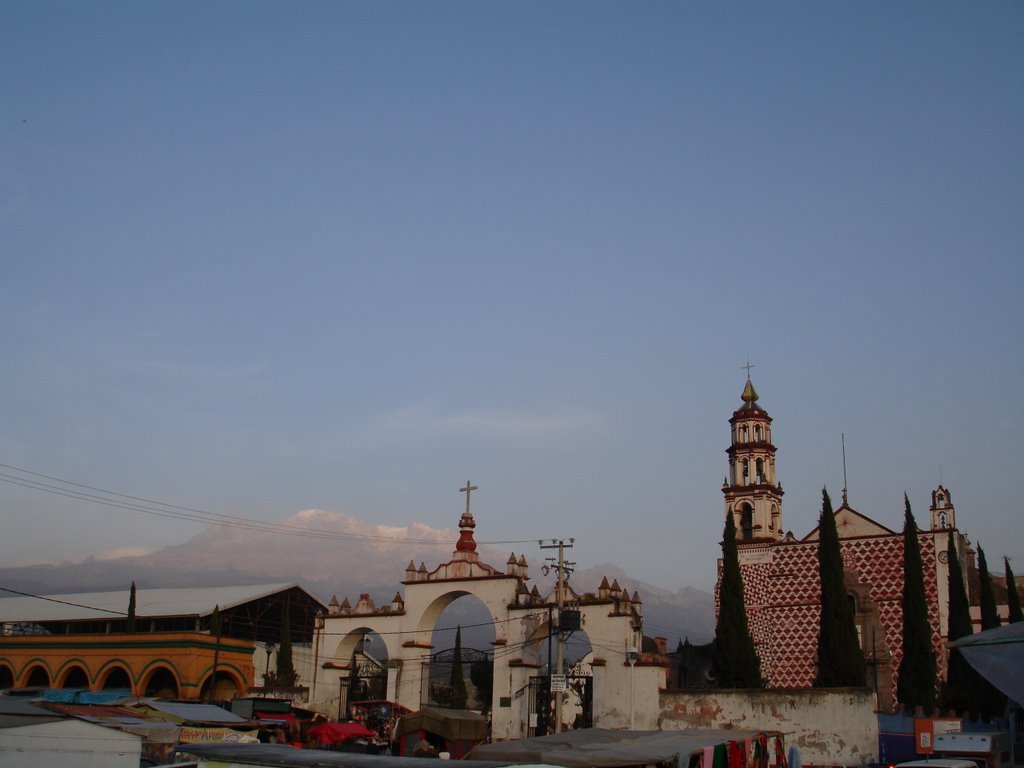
{"x":752,"y":494}
{"x":943,"y":513}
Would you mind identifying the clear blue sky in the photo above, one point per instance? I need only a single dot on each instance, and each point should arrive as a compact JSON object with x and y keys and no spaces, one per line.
{"x":262,"y":257}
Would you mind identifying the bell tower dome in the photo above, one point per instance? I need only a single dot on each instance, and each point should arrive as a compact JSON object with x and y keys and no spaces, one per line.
{"x":753,"y":495}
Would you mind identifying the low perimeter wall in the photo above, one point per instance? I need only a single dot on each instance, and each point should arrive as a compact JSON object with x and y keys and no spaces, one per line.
{"x":830,"y":726}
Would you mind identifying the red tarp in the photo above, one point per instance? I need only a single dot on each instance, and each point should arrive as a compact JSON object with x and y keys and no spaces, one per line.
{"x":335,"y":733}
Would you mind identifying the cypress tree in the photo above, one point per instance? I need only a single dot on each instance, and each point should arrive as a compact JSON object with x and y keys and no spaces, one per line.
{"x":285,"y":671}
{"x":989,"y":613}
{"x":916,"y":686}
{"x":960,"y":691}
{"x":840,"y":658}
{"x":1012,"y":595}
{"x":735,"y":659}
{"x":457,"y":680}
{"x":993,"y":701}
{"x":129,"y":625}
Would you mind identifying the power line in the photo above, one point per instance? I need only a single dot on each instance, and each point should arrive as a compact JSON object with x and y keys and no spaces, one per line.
{"x":117,"y":500}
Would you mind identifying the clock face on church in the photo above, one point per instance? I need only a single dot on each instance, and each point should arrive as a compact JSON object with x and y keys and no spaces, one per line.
{"x":943,"y":556}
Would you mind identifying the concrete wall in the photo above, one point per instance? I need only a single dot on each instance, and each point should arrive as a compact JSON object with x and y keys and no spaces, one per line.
{"x":830,"y":726}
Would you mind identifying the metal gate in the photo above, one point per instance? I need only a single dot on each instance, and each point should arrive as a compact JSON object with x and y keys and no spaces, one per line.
{"x":577,"y":704}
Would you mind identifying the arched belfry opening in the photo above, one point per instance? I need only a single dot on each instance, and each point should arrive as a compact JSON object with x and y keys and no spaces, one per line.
{"x":504,"y":623}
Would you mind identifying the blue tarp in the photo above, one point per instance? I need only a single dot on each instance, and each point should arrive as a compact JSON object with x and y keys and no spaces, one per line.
{"x":84,"y":696}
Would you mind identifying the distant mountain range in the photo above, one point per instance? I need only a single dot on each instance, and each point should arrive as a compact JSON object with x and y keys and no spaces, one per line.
{"x":338,"y":555}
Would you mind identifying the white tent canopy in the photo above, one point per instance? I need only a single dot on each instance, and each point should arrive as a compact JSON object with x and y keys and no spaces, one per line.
{"x":998,"y":655}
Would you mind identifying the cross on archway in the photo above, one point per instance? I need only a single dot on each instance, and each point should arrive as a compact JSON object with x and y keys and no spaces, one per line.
{"x":468,"y":490}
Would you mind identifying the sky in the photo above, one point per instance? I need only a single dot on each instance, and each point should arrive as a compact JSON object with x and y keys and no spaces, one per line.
{"x":265,"y":257}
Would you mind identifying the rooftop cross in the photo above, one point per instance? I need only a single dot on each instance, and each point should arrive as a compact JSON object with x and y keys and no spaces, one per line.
{"x":468,"y":490}
{"x":748,"y":366}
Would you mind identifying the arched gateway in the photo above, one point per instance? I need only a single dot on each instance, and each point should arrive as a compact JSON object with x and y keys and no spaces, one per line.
{"x":622,"y":694}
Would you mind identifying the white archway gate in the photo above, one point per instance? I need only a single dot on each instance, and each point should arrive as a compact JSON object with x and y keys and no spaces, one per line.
{"x":623,"y":694}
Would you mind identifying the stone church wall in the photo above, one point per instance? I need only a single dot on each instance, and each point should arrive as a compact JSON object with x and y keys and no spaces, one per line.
{"x":830,"y":726}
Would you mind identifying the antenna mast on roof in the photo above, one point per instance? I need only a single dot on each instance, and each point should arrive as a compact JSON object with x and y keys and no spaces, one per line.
{"x":844,"y":468}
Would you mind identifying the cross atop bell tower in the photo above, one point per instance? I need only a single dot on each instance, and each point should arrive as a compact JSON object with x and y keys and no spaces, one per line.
{"x":752,"y":493}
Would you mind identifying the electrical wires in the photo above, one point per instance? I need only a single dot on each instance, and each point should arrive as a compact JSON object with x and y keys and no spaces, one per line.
{"x":38,"y":481}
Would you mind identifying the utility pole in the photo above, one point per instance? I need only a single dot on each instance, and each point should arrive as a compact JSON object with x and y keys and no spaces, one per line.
{"x":562,"y":567}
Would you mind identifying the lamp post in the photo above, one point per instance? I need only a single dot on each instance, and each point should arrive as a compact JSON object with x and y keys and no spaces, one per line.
{"x":318,"y":627}
{"x":271,"y":647}
{"x":631,"y":656}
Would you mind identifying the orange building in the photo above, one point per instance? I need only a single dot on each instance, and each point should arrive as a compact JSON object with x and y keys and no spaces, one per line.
{"x":81,"y":641}
{"x":176,"y":665}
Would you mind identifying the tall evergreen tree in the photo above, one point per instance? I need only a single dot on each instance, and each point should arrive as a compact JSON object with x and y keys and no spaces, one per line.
{"x":916,"y":686}
{"x":457,"y":680}
{"x":989,"y":613}
{"x":1012,"y":595}
{"x":960,"y":691}
{"x":735,"y":659}
{"x":129,"y":625}
{"x":993,"y":701}
{"x":840,"y":658}
{"x":285,"y":670}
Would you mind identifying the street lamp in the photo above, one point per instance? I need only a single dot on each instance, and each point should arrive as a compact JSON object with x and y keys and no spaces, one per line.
{"x":631,"y":657}
{"x":271,"y":647}
{"x":318,"y":627}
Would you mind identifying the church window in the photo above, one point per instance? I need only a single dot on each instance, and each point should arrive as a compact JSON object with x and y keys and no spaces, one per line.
{"x":743,"y":434}
{"x":942,"y":520}
{"x":942,"y":501}
{"x":757,"y":433}
{"x":746,"y":471}
{"x":760,"y":470}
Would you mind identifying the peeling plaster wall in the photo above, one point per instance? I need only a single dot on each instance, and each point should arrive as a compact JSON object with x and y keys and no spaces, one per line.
{"x":830,"y":726}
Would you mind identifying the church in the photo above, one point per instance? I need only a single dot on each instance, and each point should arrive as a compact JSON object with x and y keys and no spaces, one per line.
{"x":780,"y":572}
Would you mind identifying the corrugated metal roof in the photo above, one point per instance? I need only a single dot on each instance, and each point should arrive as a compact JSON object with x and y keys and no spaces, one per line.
{"x":149,"y":603}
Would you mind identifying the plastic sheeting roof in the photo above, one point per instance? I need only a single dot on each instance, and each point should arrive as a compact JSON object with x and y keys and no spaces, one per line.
{"x":289,"y":757}
{"x":606,"y":748}
{"x":189,"y":712}
{"x":452,"y":724}
{"x":190,"y":601}
{"x":998,"y":654}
